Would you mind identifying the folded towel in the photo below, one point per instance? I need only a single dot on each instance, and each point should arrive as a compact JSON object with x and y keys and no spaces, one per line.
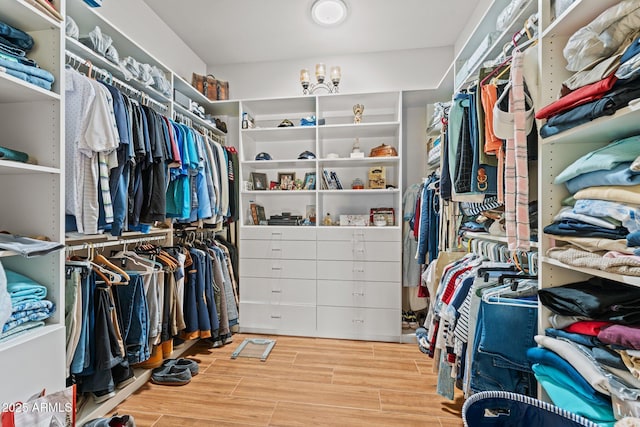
{"x":21,"y":317}
{"x":19,"y":330}
{"x":22,"y":289}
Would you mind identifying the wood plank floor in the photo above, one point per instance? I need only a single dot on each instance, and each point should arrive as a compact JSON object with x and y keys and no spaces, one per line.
{"x":305,"y":381}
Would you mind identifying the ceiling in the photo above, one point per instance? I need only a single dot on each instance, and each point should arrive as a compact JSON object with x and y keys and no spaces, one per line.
{"x":241,"y":31}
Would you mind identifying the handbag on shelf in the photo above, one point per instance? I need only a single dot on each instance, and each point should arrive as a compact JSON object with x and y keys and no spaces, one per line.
{"x":222,"y":90}
{"x":198,"y":82}
{"x":210,"y":86}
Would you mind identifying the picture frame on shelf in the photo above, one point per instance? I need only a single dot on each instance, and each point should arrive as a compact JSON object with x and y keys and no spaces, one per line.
{"x":310,"y":181}
{"x":259,"y":181}
{"x":286,"y":180}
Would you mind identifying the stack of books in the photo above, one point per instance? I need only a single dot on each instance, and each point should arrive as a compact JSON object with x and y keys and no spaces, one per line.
{"x":285,"y":219}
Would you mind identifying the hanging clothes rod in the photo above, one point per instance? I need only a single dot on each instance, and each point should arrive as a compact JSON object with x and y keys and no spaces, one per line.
{"x":115,"y":81}
{"x":89,"y":245}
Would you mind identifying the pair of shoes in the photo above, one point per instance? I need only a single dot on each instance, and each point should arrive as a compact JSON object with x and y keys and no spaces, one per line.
{"x":115,"y":421}
{"x":221,"y":125}
{"x":412,"y":319}
{"x":182,"y":363}
{"x":171,"y":375}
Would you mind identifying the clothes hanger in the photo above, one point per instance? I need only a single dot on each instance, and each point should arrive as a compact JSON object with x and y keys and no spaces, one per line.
{"x":104,"y":262}
{"x":500,"y":291}
{"x":495,"y":70}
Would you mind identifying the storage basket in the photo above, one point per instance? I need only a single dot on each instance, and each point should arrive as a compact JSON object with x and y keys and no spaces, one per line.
{"x":502,"y":409}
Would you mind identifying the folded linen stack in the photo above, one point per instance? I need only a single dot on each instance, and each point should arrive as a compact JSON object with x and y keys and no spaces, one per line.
{"x":14,"y":45}
{"x":29,"y":308}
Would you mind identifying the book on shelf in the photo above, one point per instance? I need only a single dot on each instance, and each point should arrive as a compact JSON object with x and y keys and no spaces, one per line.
{"x":330,"y":180}
{"x":336,"y":180}
{"x":326,"y":177}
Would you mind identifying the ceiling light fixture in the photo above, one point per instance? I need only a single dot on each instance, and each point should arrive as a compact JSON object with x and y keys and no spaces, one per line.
{"x":329,"y":12}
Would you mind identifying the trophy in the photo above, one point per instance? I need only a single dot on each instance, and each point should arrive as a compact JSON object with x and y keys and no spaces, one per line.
{"x":355,"y":152}
{"x":358,"y":109}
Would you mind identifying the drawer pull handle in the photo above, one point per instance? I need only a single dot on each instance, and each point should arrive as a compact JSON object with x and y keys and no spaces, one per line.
{"x":276,"y":249}
{"x":276,"y":291}
{"x":358,"y":294}
{"x":276,"y":268}
{"x":358,"y":270}
{"x":276,"y":316}
{"x":276,"y":234}
{"x":357,"y":321}
{"x":360,"y":251}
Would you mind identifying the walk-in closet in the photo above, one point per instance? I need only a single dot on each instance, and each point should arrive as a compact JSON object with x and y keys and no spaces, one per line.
{"x":319,"y":212}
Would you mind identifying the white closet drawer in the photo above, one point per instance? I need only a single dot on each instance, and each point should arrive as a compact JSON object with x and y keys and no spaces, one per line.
{"x":369,"y":234}
{"x":278,"y":249}
{"x":375,"y":271}
{"x":278,"y":291}
{"x":278,"y":233}
{"x":348,"y":322}
{"x":278,"y":268}
{"x":359,"y":250}
{"x":278,"y":318}
{"x":359,"y":294}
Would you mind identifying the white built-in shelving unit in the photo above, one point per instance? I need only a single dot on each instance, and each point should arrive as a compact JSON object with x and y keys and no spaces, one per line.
{"x":326,"y":281}
{"x":33,"y":199}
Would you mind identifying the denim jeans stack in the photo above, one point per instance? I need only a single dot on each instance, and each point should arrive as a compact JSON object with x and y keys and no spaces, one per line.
{"x":14,"y":45}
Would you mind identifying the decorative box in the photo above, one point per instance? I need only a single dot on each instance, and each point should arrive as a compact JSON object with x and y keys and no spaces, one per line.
{"x":378,"y":177}
{"x":354,"y":220}
{"x":378,"y":215}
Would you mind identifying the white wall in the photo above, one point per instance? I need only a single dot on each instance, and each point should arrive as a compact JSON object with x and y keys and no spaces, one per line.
{"x":154,"y":36}
{"x":478,"y":12}
{"x":414,"y":127}
{"x":411,"y":69}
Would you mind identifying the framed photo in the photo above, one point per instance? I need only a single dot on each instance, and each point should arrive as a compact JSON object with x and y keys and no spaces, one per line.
{"x":310,"y":181}
{"x":259,"y":181}
{"x":286,"y":180}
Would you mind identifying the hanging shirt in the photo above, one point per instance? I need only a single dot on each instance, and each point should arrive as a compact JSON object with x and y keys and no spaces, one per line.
{"x":99,"y":136}
{"x":79,"y":95}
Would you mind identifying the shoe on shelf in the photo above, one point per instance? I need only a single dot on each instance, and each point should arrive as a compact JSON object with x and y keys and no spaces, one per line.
{"x":405,"y":320}
{"x":122,"y":375}
{"x":171,"y":375}
{"x":167,"y":348}
{"x":178,"y":343}
{"x":412,"y":319}
{"x":103,"y":395}
{"x":114,"y":421}
{"x":153,"y":361}
{"x":182,"y":363}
